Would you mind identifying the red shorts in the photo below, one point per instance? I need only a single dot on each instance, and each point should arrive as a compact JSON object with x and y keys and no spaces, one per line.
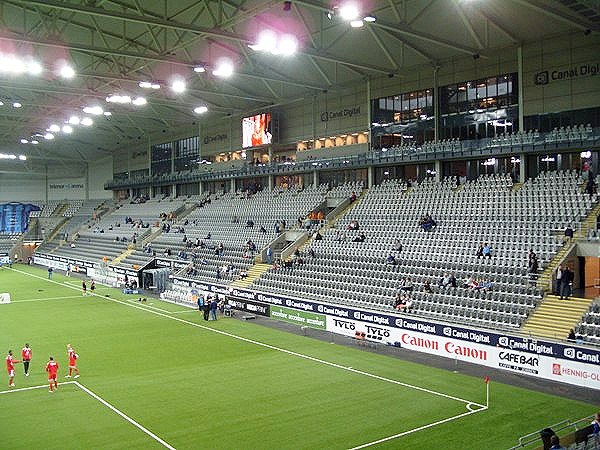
{"x":11,"y":373}
{"x":52,"y":377}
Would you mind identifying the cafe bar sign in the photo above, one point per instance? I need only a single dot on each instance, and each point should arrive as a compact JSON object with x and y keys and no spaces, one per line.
{"x":571,"y":73}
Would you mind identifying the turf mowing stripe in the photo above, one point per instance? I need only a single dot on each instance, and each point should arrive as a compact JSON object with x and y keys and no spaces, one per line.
{"x":43,"y":299}
{"x":414,"y":430}
{"x":124,"y":416}
{"x":272,"y":347}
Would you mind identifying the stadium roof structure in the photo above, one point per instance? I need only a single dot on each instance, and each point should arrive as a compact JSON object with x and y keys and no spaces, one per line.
{"x":113,"y":45}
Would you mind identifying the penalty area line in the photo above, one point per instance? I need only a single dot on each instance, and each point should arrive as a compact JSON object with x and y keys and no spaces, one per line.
{"x":124,"y":416}
{"x":105,"y":403}
{"x":421,"y":428}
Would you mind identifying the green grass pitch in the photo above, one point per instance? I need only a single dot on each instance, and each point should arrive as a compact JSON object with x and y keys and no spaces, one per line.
{"x":172,"y":374}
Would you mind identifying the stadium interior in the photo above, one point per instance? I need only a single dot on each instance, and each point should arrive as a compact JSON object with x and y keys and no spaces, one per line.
{"x":427,"y":161}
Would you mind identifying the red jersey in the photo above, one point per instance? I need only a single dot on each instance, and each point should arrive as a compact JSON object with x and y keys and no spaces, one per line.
{"x":52,"y":368}
{"x":26,"y":354}
{"x":72,"y":358}
{"x":10,"y":364}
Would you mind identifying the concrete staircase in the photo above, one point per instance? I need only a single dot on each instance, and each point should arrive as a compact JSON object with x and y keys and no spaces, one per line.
{"x":123,"y":255}
{"x":254,"y":272}
{"x":553,"y":318}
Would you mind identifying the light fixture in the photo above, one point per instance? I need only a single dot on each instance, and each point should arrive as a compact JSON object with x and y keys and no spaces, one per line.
{"x":356,"y":23}
{"x":115,"y":98}
{"x":17,"y":105}
{"x":24,"y":141}
{"x":139,"y":101}
{"x":145,"y":84}
{"x":67,"y":129}
{"x":6,"y":156}
{"x":86,"y":121}
{"x":200,"y":109}
{"x":287,"y":44}
{"x":54,"y":128}
{"x":107,"y":113}
{"x":48,"y":136}
{"x":224,"y":68}
{"x":66,"y":71}
{"x":23,"y":157}
{"x":35,"y":142}
{"x":74,"y":120}
{"x":1,"y":103}
{"x":178,"y":86}
{"x":95,"y":110}
{"x":34,"y":68}
{"x":369,"y":19}
{"x":199,"y":69}
{"x":349,"y":11}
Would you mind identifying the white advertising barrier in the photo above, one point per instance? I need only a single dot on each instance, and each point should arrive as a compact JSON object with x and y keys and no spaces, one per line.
{"x":541,"y":366}
{"x":4,"y":298}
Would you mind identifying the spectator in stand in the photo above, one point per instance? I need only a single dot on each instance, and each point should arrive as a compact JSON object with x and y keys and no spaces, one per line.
{"x":427,"y":223}
{"x":406,"y":285}
{"x":353,"y":197}
{"x":487,"y":250}
{"x":571,"y":337}
{"x":427,"y":287}
{"x":445,"y":281}
{"x":353,"y":225}
{"x":568,"y":233}
{"x":566,"y":283}
{"x":311,"y":253}
{"x":398,"y":245}
{"x":262,"y":230}
{"x":391,"y":259}
{"x":479,"y":253}
{"x":318,"y":236}
{"x":555,"y":443}
{"x":249,"y":223}
{"x":402,"y":303}
{"x":453,"y":282}
{"x":533,"y":265}
{"x":360,"y":238}
{"x":596,"y":425}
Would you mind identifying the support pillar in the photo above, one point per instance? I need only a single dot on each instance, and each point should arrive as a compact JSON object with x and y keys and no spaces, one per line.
{"x":436,"y":105}
{"x":438,"y":170}
{"x":232,"y":188}
{"x":522,"y":168}
{"x":174,"y":191}
{"x":315,"y":178}
{"x":271,"y":182}
{"x":520,"y":82}
{"x":370,"y":176}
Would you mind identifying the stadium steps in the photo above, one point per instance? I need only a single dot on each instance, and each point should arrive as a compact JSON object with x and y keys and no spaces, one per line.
{"x":56,"y":230}
{"x":345,"y":211}
{"x":60,"y":209}
{"x":122,"y":256}
{"x":554,"y":317}
{"x":254,"y":272}
{"x":545,"y":279}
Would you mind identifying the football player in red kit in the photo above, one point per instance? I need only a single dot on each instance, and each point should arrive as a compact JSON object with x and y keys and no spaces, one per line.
{"x":52,"y":369}
{"x":72,"y":362}
{"x":10,"y":368}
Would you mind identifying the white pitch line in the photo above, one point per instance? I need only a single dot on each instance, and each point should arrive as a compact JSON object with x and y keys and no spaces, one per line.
{"x":187,"y":312}
{"x":414,"y":430}
{"x":124,"y":416}
{"x":44,"y":299}
{"x":31,"y":387}
{"x":104,"y":402}
{"x":283,"y":350}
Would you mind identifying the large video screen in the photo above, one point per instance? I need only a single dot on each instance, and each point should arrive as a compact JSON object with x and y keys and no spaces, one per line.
{"x":256,"y":130}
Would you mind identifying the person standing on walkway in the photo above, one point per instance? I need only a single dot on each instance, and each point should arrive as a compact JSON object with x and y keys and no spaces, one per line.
{"x":566,"y":282}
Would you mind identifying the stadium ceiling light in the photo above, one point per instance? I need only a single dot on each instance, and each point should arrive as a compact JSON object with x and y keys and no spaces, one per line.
{"x":224,"y":68}
{"x":54,"y":128}
{"x":6,"y":156}
{"x":35,"y":142}
{"x":356,"y":23}
{"x":74,"y":120}
{"x":107,"y":113}
{"x":200,"y":109}
{"x":1,"y":103}
{"x":139,"y":101}
{"x":268,"y":41}
{"x":148,"y":85}
{"x":200,"y":69}
{"x":67,"y":129}
{"x":178,"y":86}
{"x":23,"y":157}
{"x":349,"y":11}
{"x":66,"y":71}
{"x":17,"y":105}
{"x":118,"y":99}
{"x":94,"y":110}
{"x":369,"y":18}
{"x":34,"y":68}
{"x":24,"y":141}
{"x":86,"y":121}
{"x":48,"y":136}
